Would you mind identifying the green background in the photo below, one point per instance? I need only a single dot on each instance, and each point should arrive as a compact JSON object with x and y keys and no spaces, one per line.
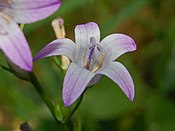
{"x":151,"y":23}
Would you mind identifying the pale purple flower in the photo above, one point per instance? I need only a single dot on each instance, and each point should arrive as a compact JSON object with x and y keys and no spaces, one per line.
{"x":91,"y":58}
{"x":12,"y":40}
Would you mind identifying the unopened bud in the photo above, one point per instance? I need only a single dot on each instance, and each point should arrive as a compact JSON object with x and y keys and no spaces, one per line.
{"x":58,"y":26}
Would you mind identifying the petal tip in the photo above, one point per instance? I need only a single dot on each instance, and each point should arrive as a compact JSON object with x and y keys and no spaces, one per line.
{"x":91,"y":23}
{"x":29,"y":69}
{"x":67,"y":101}
{"x":67,"y":104}
{"x":134,"y":45}
{"x":27,"y":66}
{"x":131,"y":98}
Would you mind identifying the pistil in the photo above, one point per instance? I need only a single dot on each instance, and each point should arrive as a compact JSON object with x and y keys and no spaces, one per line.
{"x":92,"y":47}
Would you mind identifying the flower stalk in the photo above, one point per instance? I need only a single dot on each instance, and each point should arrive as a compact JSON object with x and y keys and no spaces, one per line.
{"x":74,"y":109}
{"x":41,"y":92}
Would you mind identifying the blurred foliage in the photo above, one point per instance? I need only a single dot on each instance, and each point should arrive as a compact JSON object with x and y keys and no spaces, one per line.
{"x":104,"y":108}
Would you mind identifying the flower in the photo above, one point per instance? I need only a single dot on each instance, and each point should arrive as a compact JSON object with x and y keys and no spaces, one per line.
{"x":12,"y":40}
{"x":91,"y":59}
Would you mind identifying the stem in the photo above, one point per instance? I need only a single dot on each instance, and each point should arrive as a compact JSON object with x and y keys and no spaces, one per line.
{"x":58,"y":64}
{"x":75,"y":108}
{"x":45,"y":98}
{"x":77,"y":122}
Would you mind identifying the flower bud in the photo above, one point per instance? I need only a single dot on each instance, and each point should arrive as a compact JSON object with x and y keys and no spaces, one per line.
{"x":58,"y":26}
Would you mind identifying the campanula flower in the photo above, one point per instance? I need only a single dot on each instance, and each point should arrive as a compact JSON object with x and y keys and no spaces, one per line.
{"x":91,"y":59}
{"x":12,"y":40}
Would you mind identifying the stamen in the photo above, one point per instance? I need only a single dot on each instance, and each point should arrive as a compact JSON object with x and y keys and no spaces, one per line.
{"x":91,"y":54}
{"x":99,"y":64}
{"x":85,"y":66}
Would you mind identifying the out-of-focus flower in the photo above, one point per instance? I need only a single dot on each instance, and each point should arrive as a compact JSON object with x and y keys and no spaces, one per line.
{"x":91,"y":59}
{"x":58,"y":26}
{"x":12,"y":40}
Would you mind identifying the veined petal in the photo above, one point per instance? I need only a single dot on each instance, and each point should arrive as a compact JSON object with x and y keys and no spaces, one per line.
{"x":75,"y":82}
{"x":95,"y":79}
{"x":14,"y":44}
{"x":83,"y":33}
{"x":115,"y":45}
{"x":27,"y":11}
{"x":119,"y":74}
{"x":62,"y":46}
{"x":4,"y":4}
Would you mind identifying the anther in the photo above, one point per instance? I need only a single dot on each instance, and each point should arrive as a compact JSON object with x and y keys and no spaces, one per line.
{"x":99,"y":64}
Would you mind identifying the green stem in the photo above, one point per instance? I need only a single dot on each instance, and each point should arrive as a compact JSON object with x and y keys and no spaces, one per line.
{"x":45,"y":98}
{"x":58,"y":64}
{"x":77,"y":122}
{"x":75,"y":108}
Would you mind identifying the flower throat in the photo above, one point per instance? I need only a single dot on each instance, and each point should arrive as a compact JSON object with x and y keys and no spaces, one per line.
{"x":92,"y":47}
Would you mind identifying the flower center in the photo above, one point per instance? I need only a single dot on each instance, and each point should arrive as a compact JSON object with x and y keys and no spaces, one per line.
{"x":92,"y":47}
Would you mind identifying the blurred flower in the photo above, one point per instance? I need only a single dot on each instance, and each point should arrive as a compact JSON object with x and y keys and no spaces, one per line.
{"x":12,"y":40}
{"x":91,"y":59}
{"x":58,"y":26}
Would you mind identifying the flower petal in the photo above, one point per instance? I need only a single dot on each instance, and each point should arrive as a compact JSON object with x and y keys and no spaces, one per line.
{"x":115,"y":45}
{"x":27,"y":11}
{"x":14,"y":44}
{"x":83,"y":33}
{"x":119,"y":74}
{"x":95,"y":79}
{"x":62,"y":46}
{"x":4,"y":4}
{"x":75,"y":82}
